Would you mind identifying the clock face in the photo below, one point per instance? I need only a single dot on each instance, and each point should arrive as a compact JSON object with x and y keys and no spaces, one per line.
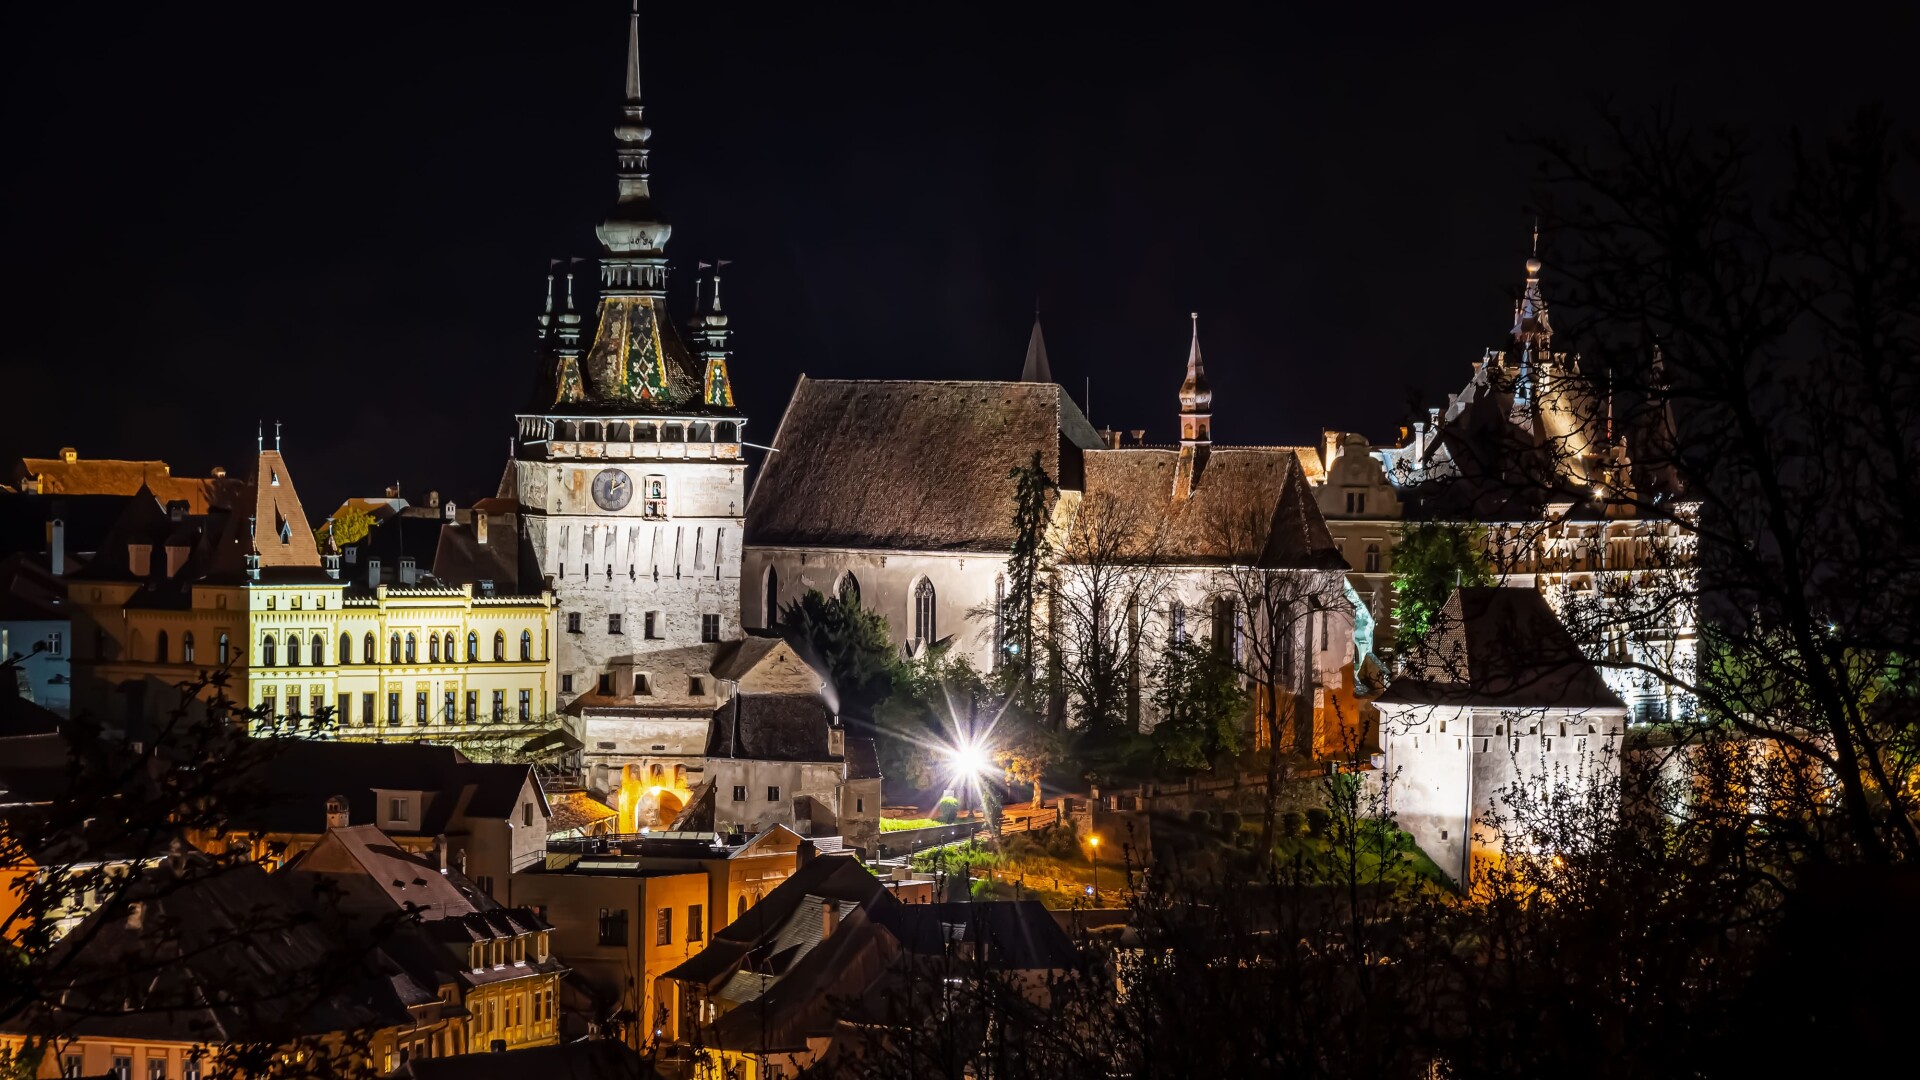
{"x":612,"y":489}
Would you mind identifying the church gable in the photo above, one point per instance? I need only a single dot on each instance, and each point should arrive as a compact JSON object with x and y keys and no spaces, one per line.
{"x":280,"y":531}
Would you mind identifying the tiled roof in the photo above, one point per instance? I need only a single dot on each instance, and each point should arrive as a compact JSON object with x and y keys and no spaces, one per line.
{"x":1251,"y":503}
{"x":596,"y":1059}
{"x":910,"y":465}
{"x":107,"y":476}
{"x":771,"y":727}
{"x":289,"y":792}
{"x":1500,"y":648}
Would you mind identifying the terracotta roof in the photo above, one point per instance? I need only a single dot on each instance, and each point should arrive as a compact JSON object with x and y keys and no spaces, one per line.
{"x":577,"y":810}
{"x":910,"y":465}
{"x":1247,"y":498}
{"x":1500,"y":648}
{"x":108,"y":476}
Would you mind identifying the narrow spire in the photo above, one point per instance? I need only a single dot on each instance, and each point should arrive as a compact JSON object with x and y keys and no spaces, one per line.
{"x":1196,"y":421}
{"x":276,"y":436}
{"x":633,"y":55}
{"x":260,"y":436}
{"x":1036,"y":368}
{"x":1530,"y":325}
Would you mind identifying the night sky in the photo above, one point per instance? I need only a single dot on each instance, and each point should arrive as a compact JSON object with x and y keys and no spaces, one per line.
{"x":340,"y":215}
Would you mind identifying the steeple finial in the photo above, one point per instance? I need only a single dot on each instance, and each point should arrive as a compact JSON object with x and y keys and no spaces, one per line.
{"x":1530,"y":326}
{"x":633,"y":55}
{"x":260,"y":436}
{"x":1196,"y":397}
{"x":276,"y":436}
{"x":1036,"y":369}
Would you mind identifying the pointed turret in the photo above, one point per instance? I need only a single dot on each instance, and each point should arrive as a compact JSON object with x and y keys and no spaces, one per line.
{"x":1036,"y":368}
{"x":1196,"y":420}
{"x":710,"y":336}
{"x":633,"y":237}
{"x":281,"y":535}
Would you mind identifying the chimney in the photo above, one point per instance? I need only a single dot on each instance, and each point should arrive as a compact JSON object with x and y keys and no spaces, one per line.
{"x":219,"y":472}
{"x":69,"y":455}
{"x":479,"y":526}
{"x":177,"y":510}
{"x":433,"y":499}
{"x":337,"y":815}
{"x":829,"y":918}
{"x":57,"y":547}
{"x":440,"y":853}
{"x":803,"y":854}
{"x":1139,"y":436}
{"x":448,"y":511}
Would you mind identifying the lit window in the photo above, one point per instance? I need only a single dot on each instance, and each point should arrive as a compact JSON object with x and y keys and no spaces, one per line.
{"x":924,"y":627}
{"x":268,"y":651}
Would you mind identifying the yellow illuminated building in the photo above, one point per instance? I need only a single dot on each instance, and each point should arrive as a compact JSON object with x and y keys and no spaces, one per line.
{"x":173,"y":594}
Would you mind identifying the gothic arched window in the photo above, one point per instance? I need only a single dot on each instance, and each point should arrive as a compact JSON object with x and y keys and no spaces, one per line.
{"x":413,"y":649}
{"x":849,"y":590}
{"x":1177,"y":622}
{"x":346,"y":648}
{"x":226,"y":649}
{"x":268,"y":651}
{"x":186,"y":646}
{"x":319,"y":647}
{"x":473,"y":646}
{"x":526,"y":644}
{"x":448,"y":650}
{"x":771,"y":615}
{"x":367,"y":653}
{"x":1373,"y":558}
{"x":499,"y":645}
{"x":293,"y":650}
{"x":433,"y":648}
{"x":160,"y":647}
{"x":924,"y":626}
{"x":393,"y":648}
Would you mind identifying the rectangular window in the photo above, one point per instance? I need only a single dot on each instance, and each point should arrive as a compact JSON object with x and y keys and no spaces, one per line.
{"x":366,"y":710}
{"x":642,"y":683}
{"x":293,"y":703}
{"x":739,"y":793}
{"x":57,"y":641}
{"x":566,"y":684}
{"x":859,"y":806}
{"x":397,"y":809}
{"x":606,"y":683}
{"x":393,"y":707}
{"x":773,"y":794}
{"x":526,"y":705}
{"x":473,"y":706}
{"x":652,"y":625}
{"x":271,"y":705}
{"x":123,"y":1067}
{"x":452,"y":714}
{"x":709,"y":628}
{"x":613,"y":926}
{"x":663,"y":927}
{"x":573,"y":622}
{"x":499,"y":705}
{"x":694,"y":930}
{"x":696,"y":686}
{"x":156,"y":1068}
{"x":526,"y":814}
{"x":613,"y":624}
{"x":420,"y":707}
{"x":70,"y":1066}
{"x":344,"y":710}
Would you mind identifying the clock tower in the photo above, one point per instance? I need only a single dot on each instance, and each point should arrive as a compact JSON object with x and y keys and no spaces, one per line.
{"x":628,"y":474}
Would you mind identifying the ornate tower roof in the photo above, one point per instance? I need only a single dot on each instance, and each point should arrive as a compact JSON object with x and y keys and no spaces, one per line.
{"x":637,"y":362}
{"x":1530,"y":325}
{"x":1196,"y":420}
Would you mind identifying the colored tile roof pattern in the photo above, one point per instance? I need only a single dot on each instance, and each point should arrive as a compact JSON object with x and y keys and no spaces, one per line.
{"x":917,"y":466}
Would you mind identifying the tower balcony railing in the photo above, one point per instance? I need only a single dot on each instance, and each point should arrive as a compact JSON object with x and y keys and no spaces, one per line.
{"x":588,"y":438}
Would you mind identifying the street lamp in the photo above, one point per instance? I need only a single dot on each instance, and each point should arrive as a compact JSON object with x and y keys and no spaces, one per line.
{"x":969,"y":762}
{"x":1093,"y":859}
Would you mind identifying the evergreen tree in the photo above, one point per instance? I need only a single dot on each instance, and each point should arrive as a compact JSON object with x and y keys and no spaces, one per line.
{"x":1430,"y":560}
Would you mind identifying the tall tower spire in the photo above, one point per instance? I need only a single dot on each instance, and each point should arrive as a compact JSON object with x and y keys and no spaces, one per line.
{"x":633,"y":238}
{"x":1196,"y":420}
{"x":1036,"y":368}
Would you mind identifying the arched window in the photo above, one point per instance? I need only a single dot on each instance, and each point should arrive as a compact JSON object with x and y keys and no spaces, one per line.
{"x":526,"y":644}
{"x":924,"y":627}
{"x":319,"y":647}
{"x":1177,"y":622}
{"x":367,"y":647}
{"x":160,"y":647}
{"x":413,"y":649}
{"x":499,"y":645}
{"x":849,"y":590}
{"x":448,"y":651}
{"x":268,"y":651}
{"x":226,"y":649}
{"x":346,"y":648}
{"x":433,"y":648}
{"x":473,"y":645}
{"x":771,"y":601}
{"x":740,"y":909}
{"x":293,"y":650}
{"x":393,"y":648}
{"x":1373,"y":558}
{"x":186,"y":646}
